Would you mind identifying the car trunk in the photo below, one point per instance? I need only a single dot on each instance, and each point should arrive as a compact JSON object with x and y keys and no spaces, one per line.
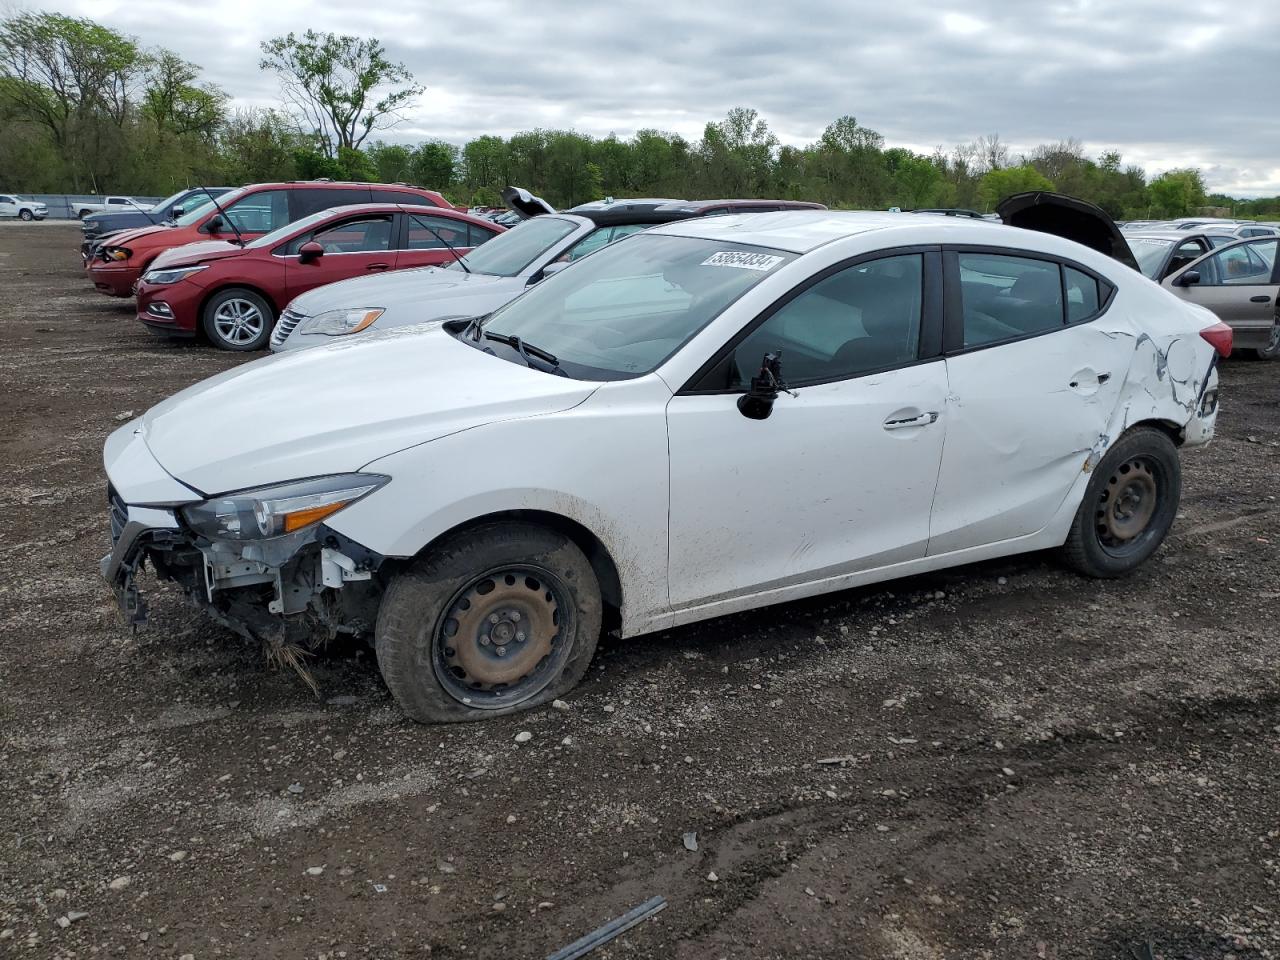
{"x":525,"y":203}
{"x":1069,"y":218}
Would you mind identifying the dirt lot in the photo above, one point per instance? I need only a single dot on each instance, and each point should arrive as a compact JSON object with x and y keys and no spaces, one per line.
{"x":1036,"y":765}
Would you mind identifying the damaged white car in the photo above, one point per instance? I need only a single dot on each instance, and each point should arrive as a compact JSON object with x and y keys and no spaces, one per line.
{"x":710,"y":416}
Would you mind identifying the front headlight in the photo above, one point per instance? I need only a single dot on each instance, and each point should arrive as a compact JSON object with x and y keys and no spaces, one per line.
{"x":173,"y":275}
{"x":337,"y":323}
{"x":115,"y":253}
{"x":274,"y":511}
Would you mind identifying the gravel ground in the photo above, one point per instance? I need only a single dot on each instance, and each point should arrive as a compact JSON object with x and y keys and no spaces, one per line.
{"x":1003,"y":760}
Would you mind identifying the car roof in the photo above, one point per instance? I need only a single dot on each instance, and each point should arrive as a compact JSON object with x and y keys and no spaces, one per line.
{"x":1143,"y":233}
{"x":606,"y":213}
{"x":385,"y":207}
{"x":799,"y":231}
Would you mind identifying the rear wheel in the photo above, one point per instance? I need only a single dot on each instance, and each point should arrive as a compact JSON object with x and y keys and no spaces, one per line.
{"x":1128,"y":506}
{"x":1272,"y":350}
{"x":238,"y":319}
{"x":26,"y":215}
{"x":496,"y":620}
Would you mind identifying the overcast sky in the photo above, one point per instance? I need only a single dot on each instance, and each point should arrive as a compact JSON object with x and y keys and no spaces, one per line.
{"x":1169,"y":83}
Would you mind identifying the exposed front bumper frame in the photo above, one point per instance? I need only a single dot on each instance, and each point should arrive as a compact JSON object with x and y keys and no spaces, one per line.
{"x":126,"y":556}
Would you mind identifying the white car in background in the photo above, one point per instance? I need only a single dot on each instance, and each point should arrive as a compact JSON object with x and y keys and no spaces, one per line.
{"x":710,"y":416}
{"x":12,"y":205}
{"x":489,"y":276}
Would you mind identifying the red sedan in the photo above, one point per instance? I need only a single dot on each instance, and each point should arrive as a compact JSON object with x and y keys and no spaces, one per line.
{"x":234,"y":294}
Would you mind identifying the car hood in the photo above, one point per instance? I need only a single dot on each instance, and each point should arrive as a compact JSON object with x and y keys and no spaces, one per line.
{"x":129,"y":236}
{"x":202,"y":251}
{"x":1069,"y":218}
{"x":337,"y":408}
{"x":398,"y":289}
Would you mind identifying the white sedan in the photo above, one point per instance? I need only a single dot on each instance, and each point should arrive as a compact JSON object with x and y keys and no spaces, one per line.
{"x":707,"y":417}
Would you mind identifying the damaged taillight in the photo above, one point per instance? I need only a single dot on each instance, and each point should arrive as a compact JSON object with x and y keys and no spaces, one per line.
{"x":1219,"y":336}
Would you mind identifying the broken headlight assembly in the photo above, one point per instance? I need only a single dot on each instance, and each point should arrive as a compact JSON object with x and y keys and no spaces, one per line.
{"x":116,"y":254}
{"x":336,"y":323}
{"x":266,"y":512}
{"x":171,"y":276}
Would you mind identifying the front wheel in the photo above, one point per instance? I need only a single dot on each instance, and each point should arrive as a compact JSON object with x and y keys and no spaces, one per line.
{"x":495,"y":620}
{"x":238,"y":319}
{"x":1272,"y":350}
{"x":1128,"y":506}
{"x":26,"y":215}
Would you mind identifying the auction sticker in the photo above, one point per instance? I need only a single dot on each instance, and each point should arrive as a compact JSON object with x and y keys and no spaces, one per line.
{"x":745,"y":261}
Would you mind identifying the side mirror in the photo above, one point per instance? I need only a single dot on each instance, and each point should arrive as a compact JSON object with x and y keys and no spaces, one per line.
{"x":215,"y":224}
{"x":1189,"y":279}
{"x":757,"y":402}
{"x":310,"y":251}
{"x":176,"y":212}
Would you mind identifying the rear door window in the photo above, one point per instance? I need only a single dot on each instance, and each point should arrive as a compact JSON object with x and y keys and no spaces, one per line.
{"x":436,"y":233}
{"x":1007,"y":297}
{"x":400,"y":196}
{"x":308,"y":200}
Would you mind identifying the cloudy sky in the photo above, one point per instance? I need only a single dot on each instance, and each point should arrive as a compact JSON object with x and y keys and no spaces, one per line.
{"x":1169,"y":83}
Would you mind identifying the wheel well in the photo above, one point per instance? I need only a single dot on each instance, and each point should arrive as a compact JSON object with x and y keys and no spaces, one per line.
{"x":1167,"y":427}
{"x":602,"y":564}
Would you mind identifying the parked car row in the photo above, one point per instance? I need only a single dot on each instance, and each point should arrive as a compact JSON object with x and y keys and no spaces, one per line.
{"x":243,"y":292}
{"x":709,"y":415}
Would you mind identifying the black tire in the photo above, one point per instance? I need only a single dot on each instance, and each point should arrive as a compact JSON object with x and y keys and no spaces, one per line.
{"x":441,"y":599}
{"x":26,"y":215}
{"x":1272,"y":350}
{"x":1128,"y":506}
{"x":219,"y":320}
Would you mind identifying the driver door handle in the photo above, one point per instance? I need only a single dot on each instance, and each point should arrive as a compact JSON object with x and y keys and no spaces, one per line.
{"x":1260,"y":299}
{"x":377,"y":266}
{"x":923,"y":420}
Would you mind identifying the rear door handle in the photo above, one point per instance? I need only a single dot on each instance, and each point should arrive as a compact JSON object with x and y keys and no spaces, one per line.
{"x":377,"y":266}
{"x":923,"y":420}
{"x":1260,"y":299}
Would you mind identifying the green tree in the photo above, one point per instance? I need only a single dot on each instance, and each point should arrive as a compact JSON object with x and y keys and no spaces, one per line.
{"x":1177,"y":193}
{"x":342,"y":87}
{"x":77,"y":80}
{"x":1005,"y":182}
{"x":174,"y":101}
{"x":257,"y":146}
{"x":435,"y":164}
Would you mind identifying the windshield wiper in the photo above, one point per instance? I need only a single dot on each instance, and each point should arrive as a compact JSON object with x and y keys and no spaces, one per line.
{"x":527,"y":351}
{"x":473,"y":328}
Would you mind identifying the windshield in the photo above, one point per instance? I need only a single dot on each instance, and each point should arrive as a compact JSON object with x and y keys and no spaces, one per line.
{"x":282,"y":233}
{"x":509,"y":253}
{"x":159,"y":207}
{"x":196,"y":215}
{"x":622,"y":311}
{"x":1150,"y":252}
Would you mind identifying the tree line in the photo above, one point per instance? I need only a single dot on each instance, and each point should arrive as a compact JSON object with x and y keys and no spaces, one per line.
{"x":86,"y":109}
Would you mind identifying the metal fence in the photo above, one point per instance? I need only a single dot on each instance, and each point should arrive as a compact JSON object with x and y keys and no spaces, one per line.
{"x":65,"y":206}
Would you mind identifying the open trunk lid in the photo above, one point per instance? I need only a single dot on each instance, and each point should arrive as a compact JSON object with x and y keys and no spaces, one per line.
{"x":1069,"y":218}
{"x":525,"y":203}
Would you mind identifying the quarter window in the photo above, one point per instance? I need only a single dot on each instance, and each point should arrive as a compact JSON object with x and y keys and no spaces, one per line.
{"x":400,"y":196}
{"x":1005,"y":298}
{"x":862,"y":319}
{"x":1083,"y":295}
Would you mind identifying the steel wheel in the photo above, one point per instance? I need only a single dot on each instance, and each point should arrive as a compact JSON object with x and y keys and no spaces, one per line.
{"x":239,"y":322}
{"x":502,"y":638}
{"x":1127,"y":504}
{"x":26,"y":215}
